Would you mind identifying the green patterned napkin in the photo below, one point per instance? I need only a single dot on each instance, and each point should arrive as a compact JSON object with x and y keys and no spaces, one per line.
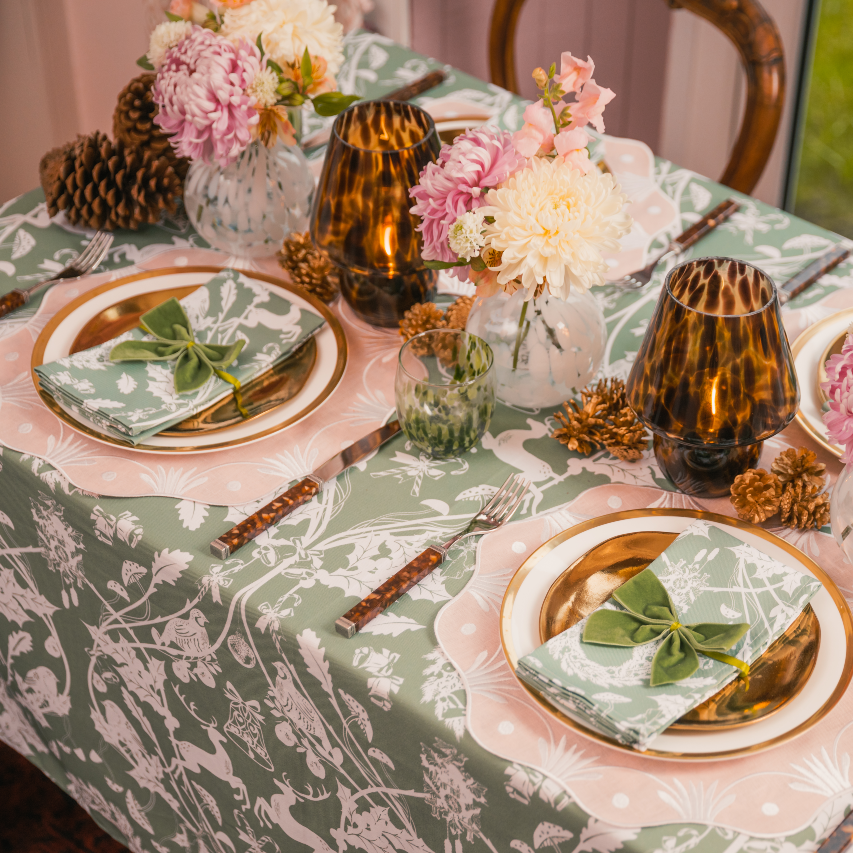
{"x":711,"y":576}
{"x":132,"y":401}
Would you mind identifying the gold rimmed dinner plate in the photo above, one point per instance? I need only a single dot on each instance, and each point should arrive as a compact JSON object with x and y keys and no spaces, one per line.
{"x":774,"y":679}
{"x":810,"y":351}
{"x":279,"y":398}
{"x":833,"y":667}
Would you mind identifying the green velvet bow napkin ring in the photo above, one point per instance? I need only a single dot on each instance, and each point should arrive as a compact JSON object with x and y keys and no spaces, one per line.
{"x":195,"y":362}
{"x":649,"y":615}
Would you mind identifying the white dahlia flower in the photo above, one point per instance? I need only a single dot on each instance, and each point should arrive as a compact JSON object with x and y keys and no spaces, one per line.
{"x":164,"y":37}
{"x":288,"y":27}
{"x":465,"y":236}
{"x":551,"y":224}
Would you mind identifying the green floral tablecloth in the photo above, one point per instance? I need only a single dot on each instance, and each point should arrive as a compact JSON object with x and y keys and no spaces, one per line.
{"x":191,"y":704}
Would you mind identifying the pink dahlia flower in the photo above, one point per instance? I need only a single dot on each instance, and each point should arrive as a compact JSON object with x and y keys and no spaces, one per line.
{"x":839,"y":389}
{"x":477,"y":161}
{"x":201,"y":91}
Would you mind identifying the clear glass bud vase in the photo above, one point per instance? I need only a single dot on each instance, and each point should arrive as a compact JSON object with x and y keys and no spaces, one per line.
{"x":249,"y":207}
{"x":841,"y":511}
{"x":549,"y":356}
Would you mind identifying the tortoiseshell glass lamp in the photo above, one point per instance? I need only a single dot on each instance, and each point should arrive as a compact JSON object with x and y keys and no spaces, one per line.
{"x":361,"y":216}
{"x":714,"y":376}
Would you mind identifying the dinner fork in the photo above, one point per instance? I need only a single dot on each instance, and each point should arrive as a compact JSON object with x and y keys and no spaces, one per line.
{"x":498,"y":511}
{"x":82,"y":265}
{"x":638,"y":280}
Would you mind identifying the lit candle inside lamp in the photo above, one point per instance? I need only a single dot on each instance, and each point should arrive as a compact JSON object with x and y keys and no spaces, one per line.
{"x":388,"y":241}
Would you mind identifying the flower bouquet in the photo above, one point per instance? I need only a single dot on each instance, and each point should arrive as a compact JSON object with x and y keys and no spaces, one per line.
{"x":231,"y":80}
{"x":839,"y":426}
{"x":526,"y":216}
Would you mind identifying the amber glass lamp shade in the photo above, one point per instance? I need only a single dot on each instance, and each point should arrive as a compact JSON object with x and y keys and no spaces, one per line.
{"x":714,"y":376}
{"x":361,"y":216}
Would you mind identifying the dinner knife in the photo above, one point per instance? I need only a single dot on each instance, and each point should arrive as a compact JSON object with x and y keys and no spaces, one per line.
{"x":301,"y":493}
{"x":405,"y":93}
{"x":795,"y":285}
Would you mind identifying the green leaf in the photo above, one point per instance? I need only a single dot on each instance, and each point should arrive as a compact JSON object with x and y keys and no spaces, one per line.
{"x":191,"y":371}
{"x":552,"y":70}
{"x":145,"y":62}
{"x":275,"y":66}
{"x":715,"y":636}
{"x":332,"y":103}
{"x":619,"y":628}
{"x":145,"y":351}
{"x":477,"y":264}
{"x":646,"y":596}
{"x":162,"y":320}
{"x":260,"y":45}
{"x":172,"y":17}
{"x":444,"y":265}
{"x":675,"y":659}
{"x":307,"y":78}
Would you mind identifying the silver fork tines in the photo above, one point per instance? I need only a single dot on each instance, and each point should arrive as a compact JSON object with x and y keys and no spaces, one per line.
{"x":82,"y":265}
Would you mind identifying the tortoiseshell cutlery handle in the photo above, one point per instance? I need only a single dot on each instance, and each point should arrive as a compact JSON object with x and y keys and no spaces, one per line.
{"x":385,"y":595}
{"x":417,"y":87}
{"x":805,"y":278}
{"x":264,"y":518}
{"x":707,"y":223}
{"x":12,"y":301}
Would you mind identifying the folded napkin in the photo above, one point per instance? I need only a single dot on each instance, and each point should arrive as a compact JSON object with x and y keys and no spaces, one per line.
{"x":133,"y":400}
{"x":711,"y":577}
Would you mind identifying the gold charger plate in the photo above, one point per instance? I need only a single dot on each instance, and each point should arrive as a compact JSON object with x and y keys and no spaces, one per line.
{"x":265,"y":393}
{"x":797,"y":347}
{"x":774,"y":679}
{"x":838,"y":599}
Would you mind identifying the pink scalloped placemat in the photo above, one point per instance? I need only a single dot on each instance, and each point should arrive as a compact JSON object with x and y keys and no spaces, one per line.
{"x":771,"y":793}
{"x":232,"y":476}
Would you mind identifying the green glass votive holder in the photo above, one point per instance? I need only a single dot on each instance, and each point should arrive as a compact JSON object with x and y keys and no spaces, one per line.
{"x":445,"y":391}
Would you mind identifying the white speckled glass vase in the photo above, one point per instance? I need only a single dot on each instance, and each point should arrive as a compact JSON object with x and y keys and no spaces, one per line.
{"x":249,"y":207}
{"x":560,"y":345}
{"x":841,"y":511}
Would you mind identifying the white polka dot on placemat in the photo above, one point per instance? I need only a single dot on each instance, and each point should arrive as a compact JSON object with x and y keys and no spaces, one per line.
{"x":11,"y":356}
{"x":25,"y":428}
{"x":233,"y":486}
{"x":519,"y":547}
{"x":506,"y":727}
{"x":109,"y":475}
{"x":181,"y":261}
{"x":468,"y":628}
{"x":654,"y":209}
{"x":614,"y":502}
{"x":620,"y":801}
{"x":73,"y":293}
{"x":612,"y":262}
{"x":770,"y":809}
{"x":626,"y":158}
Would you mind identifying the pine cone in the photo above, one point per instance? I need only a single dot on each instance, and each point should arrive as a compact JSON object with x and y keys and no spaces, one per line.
{"x":104,"y":185}
{"x":756,"y":495}
{"x":804,"y":505}
{"x":793,"y":465}
{"x":626,"y":437}
{"x":133,"y":122}
{"x":582,"y":425}
{"x":421,"y":317}
{"x":457,"y":314}
{"x":309,"y":268}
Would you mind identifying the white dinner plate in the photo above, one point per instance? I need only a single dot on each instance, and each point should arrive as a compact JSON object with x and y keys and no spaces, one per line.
{"x":526,"y":592}
{"x":58,"y":336}
{"x":807,"y":351}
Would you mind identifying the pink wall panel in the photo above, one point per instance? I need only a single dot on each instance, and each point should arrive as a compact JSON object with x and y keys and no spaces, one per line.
{"x":626,"y":38}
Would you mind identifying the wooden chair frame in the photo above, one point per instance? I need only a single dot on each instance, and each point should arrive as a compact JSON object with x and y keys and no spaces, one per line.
{"x":757,"y":40}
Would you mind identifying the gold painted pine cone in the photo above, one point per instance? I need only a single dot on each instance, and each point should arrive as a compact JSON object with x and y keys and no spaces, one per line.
{"x":793,"y":465}
{"x":101,"y":184}
{"x":756,"y":495}
{"x":804,"y":506}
